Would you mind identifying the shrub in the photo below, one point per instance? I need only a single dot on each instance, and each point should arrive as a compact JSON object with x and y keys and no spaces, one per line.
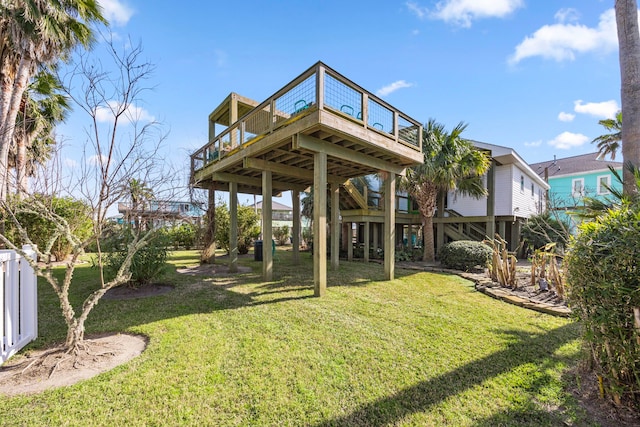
{"x":603,"y":289}
{"x":281,"y":234}
{"x":248,"y":227}
{"x":183,"y":235}
{"x":148,"y":263}
{"x":42,"y":231}
{"x":540,"y":230}
{"x":465,"y":255}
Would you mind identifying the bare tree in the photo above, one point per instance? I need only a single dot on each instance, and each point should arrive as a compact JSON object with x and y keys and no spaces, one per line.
{"x":119,"y":146}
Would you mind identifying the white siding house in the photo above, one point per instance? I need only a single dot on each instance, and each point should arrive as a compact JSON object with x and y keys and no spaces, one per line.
{"x":518,"y":190}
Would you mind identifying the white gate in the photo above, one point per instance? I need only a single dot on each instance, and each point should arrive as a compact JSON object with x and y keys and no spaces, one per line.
{"x":18,"y":302}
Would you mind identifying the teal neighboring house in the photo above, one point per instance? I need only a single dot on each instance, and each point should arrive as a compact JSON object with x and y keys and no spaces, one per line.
{"x":573,"y":178}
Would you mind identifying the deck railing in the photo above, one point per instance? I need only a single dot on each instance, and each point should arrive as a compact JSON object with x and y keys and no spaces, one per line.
{"x":317,"y":88}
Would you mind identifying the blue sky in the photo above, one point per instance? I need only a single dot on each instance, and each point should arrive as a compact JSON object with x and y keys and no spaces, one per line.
{"x":532,"y":75}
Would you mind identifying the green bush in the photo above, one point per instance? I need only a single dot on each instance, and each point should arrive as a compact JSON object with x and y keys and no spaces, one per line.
{"x":183,"y":235}
{"x":148,"y":263}
{"x":540,"y":230}
{"x":465,"y":255}
{"x":603,"y":288}
{"x":281,"y":235}
{"x":248,"y":227}
{"x":41,"y":230}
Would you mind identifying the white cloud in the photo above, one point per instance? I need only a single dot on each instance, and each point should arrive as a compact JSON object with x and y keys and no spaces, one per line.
{"x":605,"y":109}
{"x":563,"y":40}
{"x":415,"y":8}
{"x":393,"y":87}
{"x":462,"y":12}
{"x":95,"y":160}
{"x":533,"y":144}
{"x":116,"y":12}
{"x":568,"y":140}
{"x":69,"y":163}
{"x":566,"y":117}
{"x":567,"y":15}
{"x":132,"y":113}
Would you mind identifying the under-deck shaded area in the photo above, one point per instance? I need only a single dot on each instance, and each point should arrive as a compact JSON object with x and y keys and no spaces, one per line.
{"x":318,"y":131}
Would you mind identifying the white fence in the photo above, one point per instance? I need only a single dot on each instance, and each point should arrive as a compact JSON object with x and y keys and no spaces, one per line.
{"x":18,"y":302}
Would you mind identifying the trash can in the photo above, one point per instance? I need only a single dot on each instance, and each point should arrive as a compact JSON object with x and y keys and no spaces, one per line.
{"x":257,"y":250}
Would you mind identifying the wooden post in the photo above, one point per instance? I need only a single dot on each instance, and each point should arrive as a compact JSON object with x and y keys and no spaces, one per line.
{"x":335,"y":226}
{"x":208,"y":254}
{"x":439,"y":225}
{"x":319,"y":224}
{"x":295,"y":232}
{"x":491,"y":188}
{"x":233,"y":227}
{"x":350,"y":242}
{"x":389,"y":225}
{"x":367,"y":226}
{"x":267,"y":231}
{"x":376,"y":233}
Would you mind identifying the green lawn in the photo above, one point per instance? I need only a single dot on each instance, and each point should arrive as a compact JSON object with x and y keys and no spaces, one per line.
{"x":424,"y":349}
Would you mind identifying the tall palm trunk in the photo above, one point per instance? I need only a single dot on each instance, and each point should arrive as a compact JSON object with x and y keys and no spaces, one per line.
{"x":629,"y":47}
{"x":10,"y":106}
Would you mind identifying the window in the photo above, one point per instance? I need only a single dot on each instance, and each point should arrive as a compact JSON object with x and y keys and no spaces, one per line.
{"x":577,"y":186}
{"x":522,"y":183}
{"x":604,"y":181}
{"x":532,"y":190}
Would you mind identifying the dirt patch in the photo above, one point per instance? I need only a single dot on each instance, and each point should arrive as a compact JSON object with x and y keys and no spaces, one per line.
{"x":126,"y":292}
{"x":51,"y":368}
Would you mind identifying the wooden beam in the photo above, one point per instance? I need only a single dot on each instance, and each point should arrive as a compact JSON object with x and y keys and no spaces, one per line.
{"x":389,"y":225}
{"x":320,"y":224}
{"x":335,"y":226}
{"x":282,"y":169}
{"x":295,"y":232}
{"x":233,"y":227}
{"x":267,"y":230}
{"x":255,"y":182}
{"x":301,"y":141}
{"x":367,"y":246}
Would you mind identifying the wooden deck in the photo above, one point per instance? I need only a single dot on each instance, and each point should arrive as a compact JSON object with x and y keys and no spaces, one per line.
{"x":360,"y":133}
{"x":318,"y":131}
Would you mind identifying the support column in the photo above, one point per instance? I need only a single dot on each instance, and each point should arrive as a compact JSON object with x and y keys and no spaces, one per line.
{"x":267,"y":231}
{"x":502,"y":230}
{"x":233,"y":227}
{"x":376,"y":233}
{"x":208,"y":255}
{"x":367,"y":226}
{"x":319,"y":224}
{"x":295,"y":232}
{"x":335,"y":226}
{"x":389,"y":225}
{"x":439,"y":225}
{"x":350,"y":242}
{"x":491,"y":187}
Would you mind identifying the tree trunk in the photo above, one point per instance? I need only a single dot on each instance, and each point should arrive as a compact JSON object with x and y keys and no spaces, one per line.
{"x":209,"y":241}
{"x":629,"y":48}
{"x":429,"y":253}
{"x":21,"y":166}
{"x":9,"y":114}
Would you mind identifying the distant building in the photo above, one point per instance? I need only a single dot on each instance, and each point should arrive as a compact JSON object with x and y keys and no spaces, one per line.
{"x":159,"y":213}
{"x":573,"y":178}
{"x":281,"y":214}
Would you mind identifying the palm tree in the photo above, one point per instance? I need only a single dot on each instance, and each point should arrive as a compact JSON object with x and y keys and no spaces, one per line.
{"x":42,"y":108}
{"x":140,"y":195}
{"x":609,"y":143}
{"x":451,"y":163}
{"x":35,"y":34}
{"x":629,"y":54}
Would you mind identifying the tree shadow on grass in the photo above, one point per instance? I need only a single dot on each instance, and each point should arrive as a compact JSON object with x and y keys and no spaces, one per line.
{"x":527,"y":348}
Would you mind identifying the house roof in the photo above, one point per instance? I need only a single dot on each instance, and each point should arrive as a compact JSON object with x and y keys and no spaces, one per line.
{"x":506,"y":155}
{"x":275,"y":206}
{"x":572,"y":165}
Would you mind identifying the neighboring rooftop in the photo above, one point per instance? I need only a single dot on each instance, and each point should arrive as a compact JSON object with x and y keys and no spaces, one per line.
{"x":572,"y":165}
